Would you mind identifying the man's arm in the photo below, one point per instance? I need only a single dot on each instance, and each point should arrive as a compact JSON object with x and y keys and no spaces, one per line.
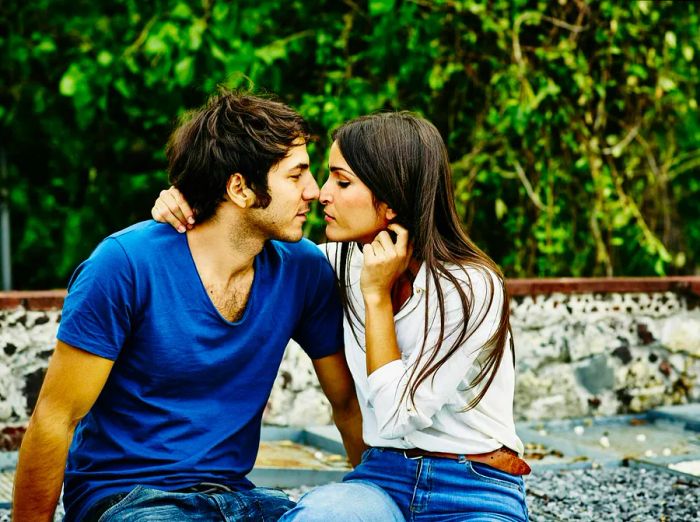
{"x":336,"y":381}
{"x":73,"y":382}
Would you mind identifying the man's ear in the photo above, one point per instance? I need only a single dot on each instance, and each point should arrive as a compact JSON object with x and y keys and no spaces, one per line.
{"x":238,"y":192}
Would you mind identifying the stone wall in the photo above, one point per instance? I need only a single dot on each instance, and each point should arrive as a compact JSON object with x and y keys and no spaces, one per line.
{"x":605,"y":353}
{"x":583,"y":346}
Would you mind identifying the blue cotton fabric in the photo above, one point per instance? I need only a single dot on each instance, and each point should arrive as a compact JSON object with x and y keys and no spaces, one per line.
{"x":184,"y":401}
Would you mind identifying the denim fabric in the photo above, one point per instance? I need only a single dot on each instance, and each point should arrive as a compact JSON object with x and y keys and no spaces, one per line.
{"x":347,"y":502}
{"x":153,"y":505}
{"x":424,"y":489}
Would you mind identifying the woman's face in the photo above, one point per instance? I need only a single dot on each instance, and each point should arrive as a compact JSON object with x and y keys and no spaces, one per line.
{"x":349,"y":210}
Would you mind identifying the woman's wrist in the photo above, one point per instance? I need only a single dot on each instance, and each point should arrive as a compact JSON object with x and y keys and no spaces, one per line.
{"x":376,"y":298}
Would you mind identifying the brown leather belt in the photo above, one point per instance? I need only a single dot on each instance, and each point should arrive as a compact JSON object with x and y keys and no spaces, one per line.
{"x":503,"y":459}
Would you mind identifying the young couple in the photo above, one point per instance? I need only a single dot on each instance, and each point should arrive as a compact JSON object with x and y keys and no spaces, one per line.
{"x":169,"y":343}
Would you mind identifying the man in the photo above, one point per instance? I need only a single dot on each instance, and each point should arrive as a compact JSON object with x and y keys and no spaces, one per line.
{"x":169,"y":343}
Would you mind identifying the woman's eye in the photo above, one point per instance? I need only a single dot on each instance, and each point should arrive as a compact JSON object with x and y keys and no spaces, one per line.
{"x":343,"y":184}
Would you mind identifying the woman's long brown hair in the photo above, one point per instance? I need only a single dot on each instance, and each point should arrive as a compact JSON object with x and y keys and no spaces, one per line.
{"x":403,"y":160}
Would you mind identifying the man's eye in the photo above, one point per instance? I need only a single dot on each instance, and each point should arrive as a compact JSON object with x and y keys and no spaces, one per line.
{"x":296,"y":176}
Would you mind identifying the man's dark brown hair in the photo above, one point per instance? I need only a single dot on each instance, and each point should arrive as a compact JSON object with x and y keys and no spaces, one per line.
{"x":234,"y":132}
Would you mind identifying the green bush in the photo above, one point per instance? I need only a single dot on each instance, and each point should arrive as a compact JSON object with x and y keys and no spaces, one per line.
{"x":573,"y":126}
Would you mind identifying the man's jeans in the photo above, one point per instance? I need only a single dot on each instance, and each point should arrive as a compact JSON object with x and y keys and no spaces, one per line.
{"x":420,"y":489}
{"x":256,"y":505}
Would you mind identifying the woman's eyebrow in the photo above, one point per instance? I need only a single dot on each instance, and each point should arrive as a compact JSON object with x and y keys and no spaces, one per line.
{"x":334,"y":168}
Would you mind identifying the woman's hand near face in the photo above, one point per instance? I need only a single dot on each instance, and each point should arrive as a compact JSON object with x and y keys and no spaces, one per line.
{"x":384,"y":262}
{"x":171,"y":207}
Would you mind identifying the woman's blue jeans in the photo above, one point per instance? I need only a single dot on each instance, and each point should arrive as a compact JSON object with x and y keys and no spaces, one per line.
{"x":421,"y":489}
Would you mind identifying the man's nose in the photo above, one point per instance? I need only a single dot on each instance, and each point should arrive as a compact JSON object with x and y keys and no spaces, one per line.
{"x":311,"y":191}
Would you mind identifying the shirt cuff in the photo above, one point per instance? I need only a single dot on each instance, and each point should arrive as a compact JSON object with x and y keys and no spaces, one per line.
{"x":385,"y":378}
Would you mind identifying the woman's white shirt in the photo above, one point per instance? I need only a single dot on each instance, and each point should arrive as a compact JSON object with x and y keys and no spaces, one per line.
{"x":436,"y":419}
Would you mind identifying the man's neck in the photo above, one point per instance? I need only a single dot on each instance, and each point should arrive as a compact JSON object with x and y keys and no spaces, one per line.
{"x":222,"y":250}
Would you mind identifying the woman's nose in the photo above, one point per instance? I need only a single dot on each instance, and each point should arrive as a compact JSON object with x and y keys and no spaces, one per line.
{"x":325,"y":196}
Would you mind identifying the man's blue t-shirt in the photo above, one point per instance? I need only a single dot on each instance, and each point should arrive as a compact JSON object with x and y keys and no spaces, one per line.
{"x":184,"y":400}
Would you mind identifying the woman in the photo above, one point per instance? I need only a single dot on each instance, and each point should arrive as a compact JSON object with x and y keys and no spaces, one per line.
{"x":427,"y":333}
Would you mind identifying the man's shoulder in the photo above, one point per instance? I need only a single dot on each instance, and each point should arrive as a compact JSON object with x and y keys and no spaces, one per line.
{"x":143,"y":230}
{"x":144,"y":237}
{"x":137,"y":246}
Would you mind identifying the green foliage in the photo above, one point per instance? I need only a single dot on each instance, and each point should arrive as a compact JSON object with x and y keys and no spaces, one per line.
{"x":573,"y":126}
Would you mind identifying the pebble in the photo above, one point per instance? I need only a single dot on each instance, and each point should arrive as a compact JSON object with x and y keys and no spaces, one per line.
{"x":688,"y":466}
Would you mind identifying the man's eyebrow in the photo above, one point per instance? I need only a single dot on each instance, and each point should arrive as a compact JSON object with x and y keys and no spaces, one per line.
{"x":300,"y":166}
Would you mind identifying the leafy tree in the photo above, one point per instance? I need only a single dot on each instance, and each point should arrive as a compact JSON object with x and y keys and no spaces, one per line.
{"x":573,"y":126}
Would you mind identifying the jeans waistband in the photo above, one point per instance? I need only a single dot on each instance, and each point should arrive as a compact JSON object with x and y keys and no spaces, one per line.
{"x":102,"y":505}
{"x":503,"y":458}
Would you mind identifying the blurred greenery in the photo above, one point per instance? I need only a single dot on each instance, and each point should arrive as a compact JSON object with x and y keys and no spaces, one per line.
{"x":573,"y":126}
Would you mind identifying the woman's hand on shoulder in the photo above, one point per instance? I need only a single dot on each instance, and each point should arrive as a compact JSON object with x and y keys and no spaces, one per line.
{"x":171,"y":207}
{"x":384,"y":261}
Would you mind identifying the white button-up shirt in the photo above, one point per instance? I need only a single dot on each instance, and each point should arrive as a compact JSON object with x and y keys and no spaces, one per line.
{"x":435,"y":420}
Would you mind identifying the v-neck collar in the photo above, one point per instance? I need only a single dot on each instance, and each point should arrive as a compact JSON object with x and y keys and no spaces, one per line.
{"x":204,"y":295}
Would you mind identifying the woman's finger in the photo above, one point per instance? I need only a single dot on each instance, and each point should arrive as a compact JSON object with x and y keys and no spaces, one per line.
{"x":368,"y":252}
{"x":161,"y":213}
{"x":401,"y":237}
{"x":384,"y":240}
{"x":184,"y":207}
{"x":171,"y":199}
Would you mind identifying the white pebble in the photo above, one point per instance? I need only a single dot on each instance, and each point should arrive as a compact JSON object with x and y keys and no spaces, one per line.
{"x":578,"y":430}
{"x":318,"y":455}
{"x":691,"y":467}
{"x":649,"y":453}
{"x":666,"y":452}
{"x":641,"y":437}
{"x":605,"y":442}
{"x":542,"y":432}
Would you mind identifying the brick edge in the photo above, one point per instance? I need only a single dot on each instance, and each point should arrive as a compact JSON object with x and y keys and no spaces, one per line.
{"x":53,"y":299}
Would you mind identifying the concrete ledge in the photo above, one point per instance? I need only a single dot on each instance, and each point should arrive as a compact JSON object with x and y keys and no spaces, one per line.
{"x":53,"y":299}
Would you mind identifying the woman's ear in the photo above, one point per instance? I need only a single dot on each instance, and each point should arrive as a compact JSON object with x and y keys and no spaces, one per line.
{"x":389,"y":214}
{"x":238,"y":192}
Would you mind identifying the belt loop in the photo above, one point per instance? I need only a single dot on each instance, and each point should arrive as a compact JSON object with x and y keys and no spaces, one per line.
{"x":417,"y":457}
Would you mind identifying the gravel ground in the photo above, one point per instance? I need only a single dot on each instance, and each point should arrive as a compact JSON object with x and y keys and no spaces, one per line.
{"x":629,"y":494}
{"x":599,"y":495}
